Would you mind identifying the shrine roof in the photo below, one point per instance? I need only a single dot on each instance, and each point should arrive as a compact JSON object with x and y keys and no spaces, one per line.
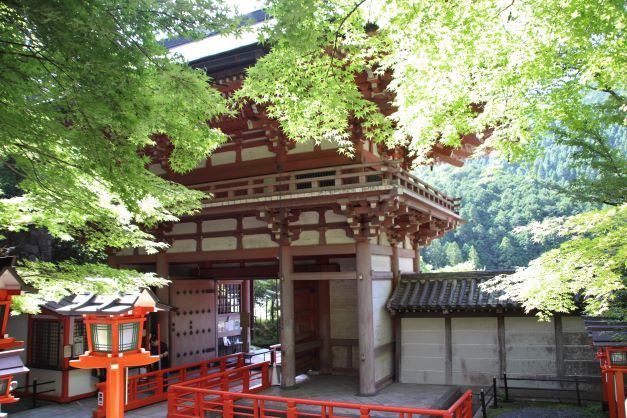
{"x":215,"y":43}
{"x":605,"y":332}
{"x":90,"y":303}
{"x":448,"y":292}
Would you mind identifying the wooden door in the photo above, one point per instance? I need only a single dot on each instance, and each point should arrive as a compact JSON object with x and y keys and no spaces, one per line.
{"x":193,"y":324}
{"x":306,"y":326}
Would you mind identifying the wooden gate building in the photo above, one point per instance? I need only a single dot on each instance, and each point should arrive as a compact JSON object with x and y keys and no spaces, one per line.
{"x":335,"y":230}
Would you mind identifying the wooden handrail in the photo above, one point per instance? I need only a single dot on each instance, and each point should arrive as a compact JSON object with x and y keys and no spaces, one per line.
{"x":380,"y":173}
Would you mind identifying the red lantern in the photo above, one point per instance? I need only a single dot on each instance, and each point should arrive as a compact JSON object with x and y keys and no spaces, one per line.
{"x":114,"y":329}
{"x":10,"y":285}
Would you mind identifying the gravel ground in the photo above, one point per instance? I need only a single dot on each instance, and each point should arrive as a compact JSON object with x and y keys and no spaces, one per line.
{"x":533,"y":412}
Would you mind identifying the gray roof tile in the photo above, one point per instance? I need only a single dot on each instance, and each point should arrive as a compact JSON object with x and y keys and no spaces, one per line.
{"x":455,"y":291}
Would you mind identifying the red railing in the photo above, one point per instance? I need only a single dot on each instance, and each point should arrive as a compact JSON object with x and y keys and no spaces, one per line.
{"x":231,"y":394}
{"x":196,"y":397}
{"x":149,"y":388}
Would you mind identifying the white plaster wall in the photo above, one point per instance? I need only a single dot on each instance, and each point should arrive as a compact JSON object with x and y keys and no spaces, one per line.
{"x":343,"y":306}
{"x":219,"y":225}
{"x":328,"y":145}
{"x":302,"y":147}
{"x":219,"y":243}
{"x":331,"y":217}
{"x":381,"y":263}
{"x":221,"y":158}
{"x":307,"y":238}
{"x":382,"y":321}
{"x":258,"y":241}
{"x":183,"y":228}
{"x":256,"y":153}
{"x":422,"y":350}
{"x":81,"y":381}
{"x":182,"y":246}
{"x":250,"y":222}
{"x":475,"y":350}
{"x":383,"y":329}
{"x":530,"y":347}
{"x":337,"y":236}
{"x":383,"y":240}
{"x":307,"y":218}
{"x":406,"y":265}
{"x":384,"y":365}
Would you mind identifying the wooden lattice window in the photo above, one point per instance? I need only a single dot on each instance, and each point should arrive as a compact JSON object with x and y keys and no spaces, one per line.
{"x":101,"y":337}
{"x":229,"y":296}
{"x":322,"y":183}
{"x":46,"y":343}
{"x":79,"y":336}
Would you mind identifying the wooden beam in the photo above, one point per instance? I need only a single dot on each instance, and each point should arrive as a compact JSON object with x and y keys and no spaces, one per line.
{"x":332,"y":275}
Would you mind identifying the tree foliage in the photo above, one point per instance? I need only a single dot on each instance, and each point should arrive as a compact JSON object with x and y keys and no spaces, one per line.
{"x":526,"y":65}
{"x":85,"y":86}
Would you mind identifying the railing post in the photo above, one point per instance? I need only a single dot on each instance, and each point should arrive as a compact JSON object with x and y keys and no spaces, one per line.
{"x":35,"y":392}
{"x":224,"y":382}
{"x":578,"y":393}
{"x":468,"y":408}
{"x":265,"y":376}
{"x":484,"y":412}
{"x":494,"y":392}
{"x":198,"y":404}
{"x":246,"y":381}
{"x":505,"y":384}
{"x":291,"y":409}
{"x":364,"y":413}
{"x":160,"y":382}
{"x":228,"y":407}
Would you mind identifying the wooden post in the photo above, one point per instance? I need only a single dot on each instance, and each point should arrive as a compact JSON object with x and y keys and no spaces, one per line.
{"x":163,"y":293}
{"x":619,"y":382}
{"x":115,"y":391}
{"x":288,"y":356}
{"x":365,"y":317}
{"x":395,"y":265}
{"x":324,"y":325}
{"x":448,"y":351}
{"x":559,"y":346}
{"x":417,"y":258}
{"x":246,"y":313}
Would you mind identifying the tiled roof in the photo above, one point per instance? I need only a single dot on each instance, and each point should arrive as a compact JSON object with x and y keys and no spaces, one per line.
{"x":605,"y":332}
{"x":447,"y":292}
{"x":89,"y":303}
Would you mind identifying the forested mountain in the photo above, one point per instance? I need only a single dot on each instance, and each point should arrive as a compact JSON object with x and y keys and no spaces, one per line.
{"x":496,"y":198}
